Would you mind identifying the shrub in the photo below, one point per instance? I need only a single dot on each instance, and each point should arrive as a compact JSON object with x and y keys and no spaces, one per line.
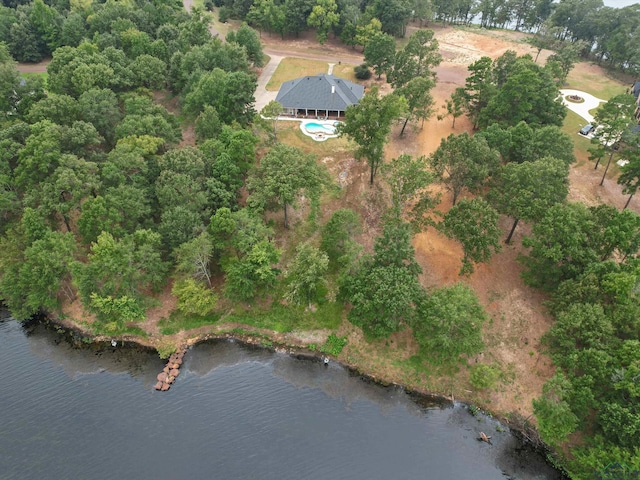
{"x":334,"y":345}
{"x":362,"y":72}
{"x":224,"y":14}
{"x":193,"y":297}
{"x":483,"y":376}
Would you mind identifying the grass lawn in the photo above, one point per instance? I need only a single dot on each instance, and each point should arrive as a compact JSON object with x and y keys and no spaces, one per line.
{"x":594,"y":83}
{"x":289,"y":133}
{"x":44,"y":76}
{"x":222,"y":28}
{"x":179,"y":321}
{"x":345,"y":70}
{"x":291,"y":68}
{"x":572,"y":124}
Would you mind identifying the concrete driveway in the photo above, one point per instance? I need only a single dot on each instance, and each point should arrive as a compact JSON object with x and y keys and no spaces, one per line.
{"x":262,"y":95}
{"x":582,"y":109}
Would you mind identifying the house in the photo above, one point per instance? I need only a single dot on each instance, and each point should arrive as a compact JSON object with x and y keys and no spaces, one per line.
{"x":320,"y":96}
{"x":635,"y":91}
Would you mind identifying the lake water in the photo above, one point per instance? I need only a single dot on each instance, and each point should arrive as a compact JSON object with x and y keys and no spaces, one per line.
{"x":234,"y":413}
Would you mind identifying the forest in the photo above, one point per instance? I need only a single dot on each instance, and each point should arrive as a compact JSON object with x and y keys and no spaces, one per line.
{"x":106,"y":203}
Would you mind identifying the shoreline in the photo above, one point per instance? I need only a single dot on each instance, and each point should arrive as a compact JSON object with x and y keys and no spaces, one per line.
{"x":517,"y":425}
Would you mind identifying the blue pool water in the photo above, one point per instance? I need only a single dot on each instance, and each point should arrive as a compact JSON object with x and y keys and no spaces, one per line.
{"x":313,"y":127}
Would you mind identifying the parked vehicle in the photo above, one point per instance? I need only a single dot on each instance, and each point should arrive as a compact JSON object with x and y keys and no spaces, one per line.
{"x":587,"y":129}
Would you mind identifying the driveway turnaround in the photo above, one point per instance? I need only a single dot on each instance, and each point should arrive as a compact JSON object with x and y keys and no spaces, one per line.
{"x":582,"y":109}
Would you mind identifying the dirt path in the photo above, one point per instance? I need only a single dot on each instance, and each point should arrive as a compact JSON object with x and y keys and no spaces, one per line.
{"x":40,"y":67}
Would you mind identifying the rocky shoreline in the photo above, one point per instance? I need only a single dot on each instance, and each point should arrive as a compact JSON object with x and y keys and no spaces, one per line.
{"x":518,"y":425}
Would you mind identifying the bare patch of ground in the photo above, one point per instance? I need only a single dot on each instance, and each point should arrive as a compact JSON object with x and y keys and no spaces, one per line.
{"x":39,"y":67}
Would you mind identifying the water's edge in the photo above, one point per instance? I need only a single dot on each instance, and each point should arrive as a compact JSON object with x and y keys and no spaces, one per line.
{"x":517,"y":425}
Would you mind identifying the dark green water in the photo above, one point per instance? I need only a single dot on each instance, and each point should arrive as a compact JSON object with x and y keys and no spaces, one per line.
{"x":234,"y":413}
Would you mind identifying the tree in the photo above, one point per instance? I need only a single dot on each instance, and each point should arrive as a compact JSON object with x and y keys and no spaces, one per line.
{"x":417,"y":59}
{"x":562,"y":245}
{"x":60,"y":109}
{"x":150,"y":72}
{"x":32,"y":280}
{"x":463,"y":162}
{"x":272,"y":112}
{"x":571,"y":237}
{"x":478,"y":88}
{"x":193,"y":258}
{"x":630,"y":174}
{"x":337,"y":235}
{"x":193,"y":297}
{"x":296,"y":13}
{"x":544,"y":39}
{"x":380,"y":52}
{"x":324,"y":16}
{"x":245,"y":276}
{"x":393,"y":14}
{"x":231,"y":94}
{"x":408,"y":179}
{"x":282,"y":176}
{"x":417,"y":93}
{"x":364,"y":33}
{"x":455,"y":105}
{"x":526,"y":92}
{"x":115,"y":312}
{"x":305,"y":274}
{"x":207,"y":124}
{"x":566,"y":55}
{"x":384,"y":289}
{"x":125,"y":267}
{"x":100,"y":108}
{"x":613,"y":118}
{"x":521,"y":143}
{"x":369,"y":123}
{"x":474,"y":223}
{"x":62,"y":193}
{"x":449,"y":323}
{"x":555,"y":418}
{"x":247,"y":37}
{"x":527,"y":190}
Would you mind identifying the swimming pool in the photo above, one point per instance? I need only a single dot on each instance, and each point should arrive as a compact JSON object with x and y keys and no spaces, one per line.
{"x":313,"y":127}
{"x":319,"y":130}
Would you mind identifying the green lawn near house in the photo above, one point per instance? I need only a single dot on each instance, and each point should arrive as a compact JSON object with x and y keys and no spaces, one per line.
{"x":291,"y":68}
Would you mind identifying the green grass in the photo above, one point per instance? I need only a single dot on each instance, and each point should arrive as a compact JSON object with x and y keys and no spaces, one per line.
{"x":289,"y":133}
{"x":291,"y":68}
{"x":572,"y":124}
{"x":43,"y":75}
{"x":345,"y":70}
{"x":598,"y":85}
{"x":286,"y":318}
{"x":334,"y":345}
{"x":113,"y":329}
{"x":179,"y":321}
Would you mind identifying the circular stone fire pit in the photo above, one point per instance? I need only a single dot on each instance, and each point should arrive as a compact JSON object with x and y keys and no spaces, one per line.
{"x":574,"y":98}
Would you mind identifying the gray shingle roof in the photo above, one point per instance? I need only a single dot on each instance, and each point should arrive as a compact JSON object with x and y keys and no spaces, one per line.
{"x":315,"y":93}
